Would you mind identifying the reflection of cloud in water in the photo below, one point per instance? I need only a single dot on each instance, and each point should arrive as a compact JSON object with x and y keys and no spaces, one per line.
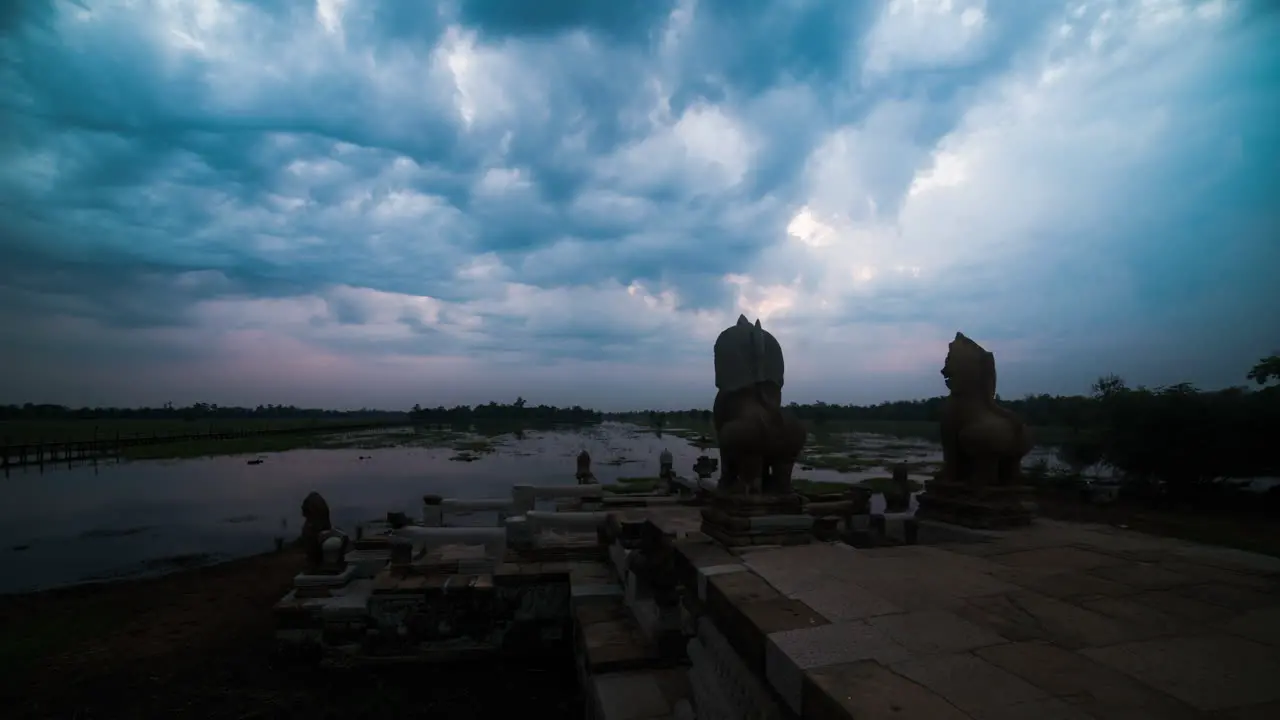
{"x":92,"y":519}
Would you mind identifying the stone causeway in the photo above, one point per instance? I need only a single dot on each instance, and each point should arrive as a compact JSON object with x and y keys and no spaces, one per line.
{"x":1055,"y":621}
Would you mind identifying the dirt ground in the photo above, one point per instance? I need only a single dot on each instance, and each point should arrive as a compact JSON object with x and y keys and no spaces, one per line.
{"x":199,"y":644}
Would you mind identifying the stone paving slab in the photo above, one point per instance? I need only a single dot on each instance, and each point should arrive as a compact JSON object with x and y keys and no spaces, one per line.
{"x":609,"y":640}
{"x":972,"y":684}
{"x":1054,"y":621}
{"x":1261,"y":625}
{"x":1093,"y":688}
{"x":845,"y":602}
{"x":789,"y":653}
{"x":1063,"y":559}
{"x":867,"y":690}
{"x":1209,"y":672}
{"x":639,"y":695}
{"x":1264,"y":711}
{"x":932,"y":632}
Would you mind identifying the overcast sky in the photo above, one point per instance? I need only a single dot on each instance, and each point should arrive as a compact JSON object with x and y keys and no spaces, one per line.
{"x":357,"y":203}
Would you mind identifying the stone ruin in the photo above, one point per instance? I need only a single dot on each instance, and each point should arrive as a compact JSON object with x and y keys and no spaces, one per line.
{"x":584,"y":474}
{"x":666,"y":465}
{"x":323,"y":544}
{"x":897,"y":497}
{"x":705,"y":466}
{"x":760,"y":441}
{"x":983,"y":444}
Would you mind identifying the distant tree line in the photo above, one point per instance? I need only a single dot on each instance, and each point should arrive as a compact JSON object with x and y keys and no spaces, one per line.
{"x":1072,"y":411}
{"x":196,"y":411}
{"x":1178,"y":441}
{"x":1173,"y":440}
{"x":518,"y":412}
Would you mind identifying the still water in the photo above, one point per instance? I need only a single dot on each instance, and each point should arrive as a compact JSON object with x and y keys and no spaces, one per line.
{"x":111,"y":520}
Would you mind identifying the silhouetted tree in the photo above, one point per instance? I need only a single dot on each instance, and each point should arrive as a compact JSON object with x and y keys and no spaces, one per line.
{"x":1267,"y":369}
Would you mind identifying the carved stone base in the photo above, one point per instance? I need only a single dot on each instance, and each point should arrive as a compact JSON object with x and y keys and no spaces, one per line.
{"x":988,"y":508}
{"x":740,"y":520}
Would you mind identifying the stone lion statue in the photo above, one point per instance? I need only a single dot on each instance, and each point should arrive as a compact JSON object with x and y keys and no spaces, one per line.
{"x":316,"y":522}
{"x":583,"y":472}
{"x":982,"y":442}
{"x":759,"y":440}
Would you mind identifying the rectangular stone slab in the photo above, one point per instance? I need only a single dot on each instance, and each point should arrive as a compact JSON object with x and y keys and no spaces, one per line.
{"x":866,"y":690}
{"x":615,"y":645}
{"x":781,"y":523}
{"x":730,"y":538}
{"x":746,"y":609}
{"x":690,"y":555}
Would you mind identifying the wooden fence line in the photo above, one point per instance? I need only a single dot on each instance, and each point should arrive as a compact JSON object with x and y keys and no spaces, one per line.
{"x":41,"y":453}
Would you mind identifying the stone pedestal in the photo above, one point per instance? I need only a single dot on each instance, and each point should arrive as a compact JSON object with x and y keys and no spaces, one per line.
{"x":739,"y":520}
{"x":988,"y":508}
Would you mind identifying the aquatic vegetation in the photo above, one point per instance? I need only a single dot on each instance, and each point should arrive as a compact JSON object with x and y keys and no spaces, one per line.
{"x":884,"y":485}
{"x":635,"y":480}
{"x":618,"y":461}
{"x":842,"y":462}
{"x":474,"y":445}
{"x":636,"y":486}
{"x":808,"y":487}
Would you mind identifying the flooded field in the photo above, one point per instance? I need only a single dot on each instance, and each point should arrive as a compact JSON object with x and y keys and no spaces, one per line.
{"x":110,"y":520}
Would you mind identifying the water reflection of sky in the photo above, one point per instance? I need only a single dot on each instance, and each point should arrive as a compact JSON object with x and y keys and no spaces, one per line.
{"x":90,"y":521}
{"x":62,"y":524}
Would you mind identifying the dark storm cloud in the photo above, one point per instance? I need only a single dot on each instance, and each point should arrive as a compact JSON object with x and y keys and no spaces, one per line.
{"x":197,"y":187}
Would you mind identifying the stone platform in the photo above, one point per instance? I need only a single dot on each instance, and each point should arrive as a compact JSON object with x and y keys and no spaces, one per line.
{"x":1054,"y":621}
{"x":994,"y":507}
{"x":736,"y":521}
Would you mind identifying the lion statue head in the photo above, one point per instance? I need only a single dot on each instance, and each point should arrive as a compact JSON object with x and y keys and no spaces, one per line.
{"x":969,"y":370}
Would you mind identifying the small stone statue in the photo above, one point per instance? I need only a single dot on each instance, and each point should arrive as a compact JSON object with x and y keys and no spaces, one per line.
{"x":982,"y":443}
{"x":584,"y":474}
{"x":666,"y":465}
{"x":704,"y":467}
{"x":759,"y":440}
{"x":316,"y":522}
{"x":897,"y":497}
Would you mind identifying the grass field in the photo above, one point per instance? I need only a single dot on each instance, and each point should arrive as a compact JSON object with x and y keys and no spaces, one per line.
{"x":829,"y":445}
{"x":31,"y":432}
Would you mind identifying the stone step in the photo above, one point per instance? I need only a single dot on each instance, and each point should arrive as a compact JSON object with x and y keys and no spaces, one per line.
{"x":731,"y":538}
{"x":609,"y":639}
{"x":640,"y":695}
